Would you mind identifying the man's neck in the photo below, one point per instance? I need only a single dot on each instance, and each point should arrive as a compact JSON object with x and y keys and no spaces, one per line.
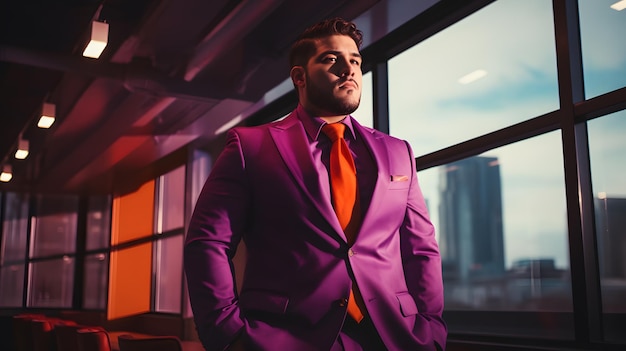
{"x":332,"y":119}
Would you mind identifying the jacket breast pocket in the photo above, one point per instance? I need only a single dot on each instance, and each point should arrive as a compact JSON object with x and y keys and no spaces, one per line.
{"x":399,"y":185}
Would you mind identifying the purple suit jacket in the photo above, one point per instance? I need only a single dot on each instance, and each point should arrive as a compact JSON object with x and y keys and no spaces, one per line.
{"x":265,"y":189}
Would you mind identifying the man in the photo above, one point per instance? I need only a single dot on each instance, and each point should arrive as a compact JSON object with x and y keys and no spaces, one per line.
{"x":317,"y":277}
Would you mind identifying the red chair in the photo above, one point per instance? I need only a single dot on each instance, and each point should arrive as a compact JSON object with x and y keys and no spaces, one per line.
{"x":43,"y":332}
{"x":152,"y":343}
{"x":66,"y":336}
{"x":93,"y":339}
{"x":22,"y":331}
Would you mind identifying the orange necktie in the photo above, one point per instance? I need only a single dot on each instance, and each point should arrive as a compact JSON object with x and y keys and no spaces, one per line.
{"x":343,"y":189}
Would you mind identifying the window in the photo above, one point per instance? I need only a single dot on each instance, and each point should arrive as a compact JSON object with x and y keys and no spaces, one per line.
{"x":603,"y":48}
{"x":365,"y":113}
{"x":168,"y":262}
{"x":482,"y":74}
{"x":97,"y":264}
{"x":95,"y":281}
{"x":51,"y":283}
{"x":501,"y":224}
{"x":98,"y":222}
{"x":53,"y":235}
{"x":13,"y":254}
{"x":54,"y":225}
{"x":607,"y":150}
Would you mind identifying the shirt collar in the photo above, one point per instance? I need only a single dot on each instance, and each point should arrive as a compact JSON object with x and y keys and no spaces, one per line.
{"x":313,"y":125}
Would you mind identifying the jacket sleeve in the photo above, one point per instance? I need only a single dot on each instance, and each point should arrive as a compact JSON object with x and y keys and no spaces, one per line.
{"x":214,"y":232}
{"x":422,"y":263}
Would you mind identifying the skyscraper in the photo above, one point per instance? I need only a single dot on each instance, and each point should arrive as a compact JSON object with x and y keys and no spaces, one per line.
{"x":470,"y":227}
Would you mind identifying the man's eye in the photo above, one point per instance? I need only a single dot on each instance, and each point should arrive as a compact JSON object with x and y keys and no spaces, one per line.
{"x":356,"y":62}
{"x":330,"y":59}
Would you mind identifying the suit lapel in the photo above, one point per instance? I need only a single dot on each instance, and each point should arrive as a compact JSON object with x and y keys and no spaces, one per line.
{"x":290,"y":139}
{"x":374,"y":141}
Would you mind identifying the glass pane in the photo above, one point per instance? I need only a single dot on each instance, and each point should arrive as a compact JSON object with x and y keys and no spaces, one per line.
{"x":54,"y":225}
{"x":502,"y":228}
{"x":607,"y":151}
{"x":169,"y":274}
{"x":604,"y":53}
{"x":171,"y":211}
{"x":96,"y":274}
{"x":365,"y":113}
{"x":11,"y":285}
{"x":51,"y":283}
{"x":484,"y":73}
{"x":15,"y":228}
{"x":200,"y":168}
{"x":98,"y":222}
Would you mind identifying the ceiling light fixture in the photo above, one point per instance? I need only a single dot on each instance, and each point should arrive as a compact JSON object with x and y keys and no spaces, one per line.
{"x":472,"y":77}
{"x":48,"y":113}
{"x":22,"y":149}
{"x":7,"y":173}
{"x":99,"y":39}
{"x":619,"y":6}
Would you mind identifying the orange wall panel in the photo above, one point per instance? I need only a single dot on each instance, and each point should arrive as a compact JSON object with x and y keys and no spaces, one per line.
{"x":130,"y":274}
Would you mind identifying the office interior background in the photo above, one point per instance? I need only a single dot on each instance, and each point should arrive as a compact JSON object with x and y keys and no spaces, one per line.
{"x":515,"y":111}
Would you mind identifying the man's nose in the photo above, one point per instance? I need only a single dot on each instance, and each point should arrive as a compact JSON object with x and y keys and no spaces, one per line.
{"x":346,"y":68}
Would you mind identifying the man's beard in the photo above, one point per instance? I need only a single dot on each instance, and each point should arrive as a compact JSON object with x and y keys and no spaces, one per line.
{"x":324,"y":100}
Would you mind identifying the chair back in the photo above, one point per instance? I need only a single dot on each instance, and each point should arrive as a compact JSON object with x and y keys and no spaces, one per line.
{"x":42,"y":334}
{"x":22,"y":331}
{"x":66,"y":336}
{"x":43,"y":331}
{"x":152,"y":343}
{"x":93,"y":339}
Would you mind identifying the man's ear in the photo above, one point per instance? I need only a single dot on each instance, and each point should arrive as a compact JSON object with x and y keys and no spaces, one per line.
{"x":297,"y":76}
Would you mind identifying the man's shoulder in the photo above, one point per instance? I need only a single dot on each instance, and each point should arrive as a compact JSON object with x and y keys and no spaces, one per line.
{"x":261,"y":128}
{"x":257,"y":133}
{"x":380,"y":135}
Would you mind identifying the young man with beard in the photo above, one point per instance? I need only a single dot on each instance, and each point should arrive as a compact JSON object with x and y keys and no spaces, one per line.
{"x":341,"y":254}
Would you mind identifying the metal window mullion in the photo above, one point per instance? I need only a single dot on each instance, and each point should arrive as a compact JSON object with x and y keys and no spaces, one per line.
{"x":581,"y":231}
{"x":380,"y":82}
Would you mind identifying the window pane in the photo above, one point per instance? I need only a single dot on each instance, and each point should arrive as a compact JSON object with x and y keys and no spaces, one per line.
{"x":51,"y":283}
{"x":169,"y":274}
{"x":171,"y":205}
{"x":15,"y":228}
{"x":604,"y":53}
{"x":200,"y":167}
{"x":513,"y":64}
{"x":365,"y":113}
{"x":98,"y":222}
{"x":607,"y":151}
{"x":501,"y":224}
{"x":96,"y":273}
{"x":54,"y":225}
{"x":11,"y":285}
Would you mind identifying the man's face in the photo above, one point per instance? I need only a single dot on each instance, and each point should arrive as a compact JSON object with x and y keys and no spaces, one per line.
{"x":333,"y":77}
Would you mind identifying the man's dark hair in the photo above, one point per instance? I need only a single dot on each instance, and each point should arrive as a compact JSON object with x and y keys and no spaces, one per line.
{"x":304,"y":47}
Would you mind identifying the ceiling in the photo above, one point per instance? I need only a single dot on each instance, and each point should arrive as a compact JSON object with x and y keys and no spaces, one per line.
{"x":173,"y":73}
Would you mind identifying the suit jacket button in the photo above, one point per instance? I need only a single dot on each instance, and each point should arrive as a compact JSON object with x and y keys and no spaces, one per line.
{"x":343,"y":302}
